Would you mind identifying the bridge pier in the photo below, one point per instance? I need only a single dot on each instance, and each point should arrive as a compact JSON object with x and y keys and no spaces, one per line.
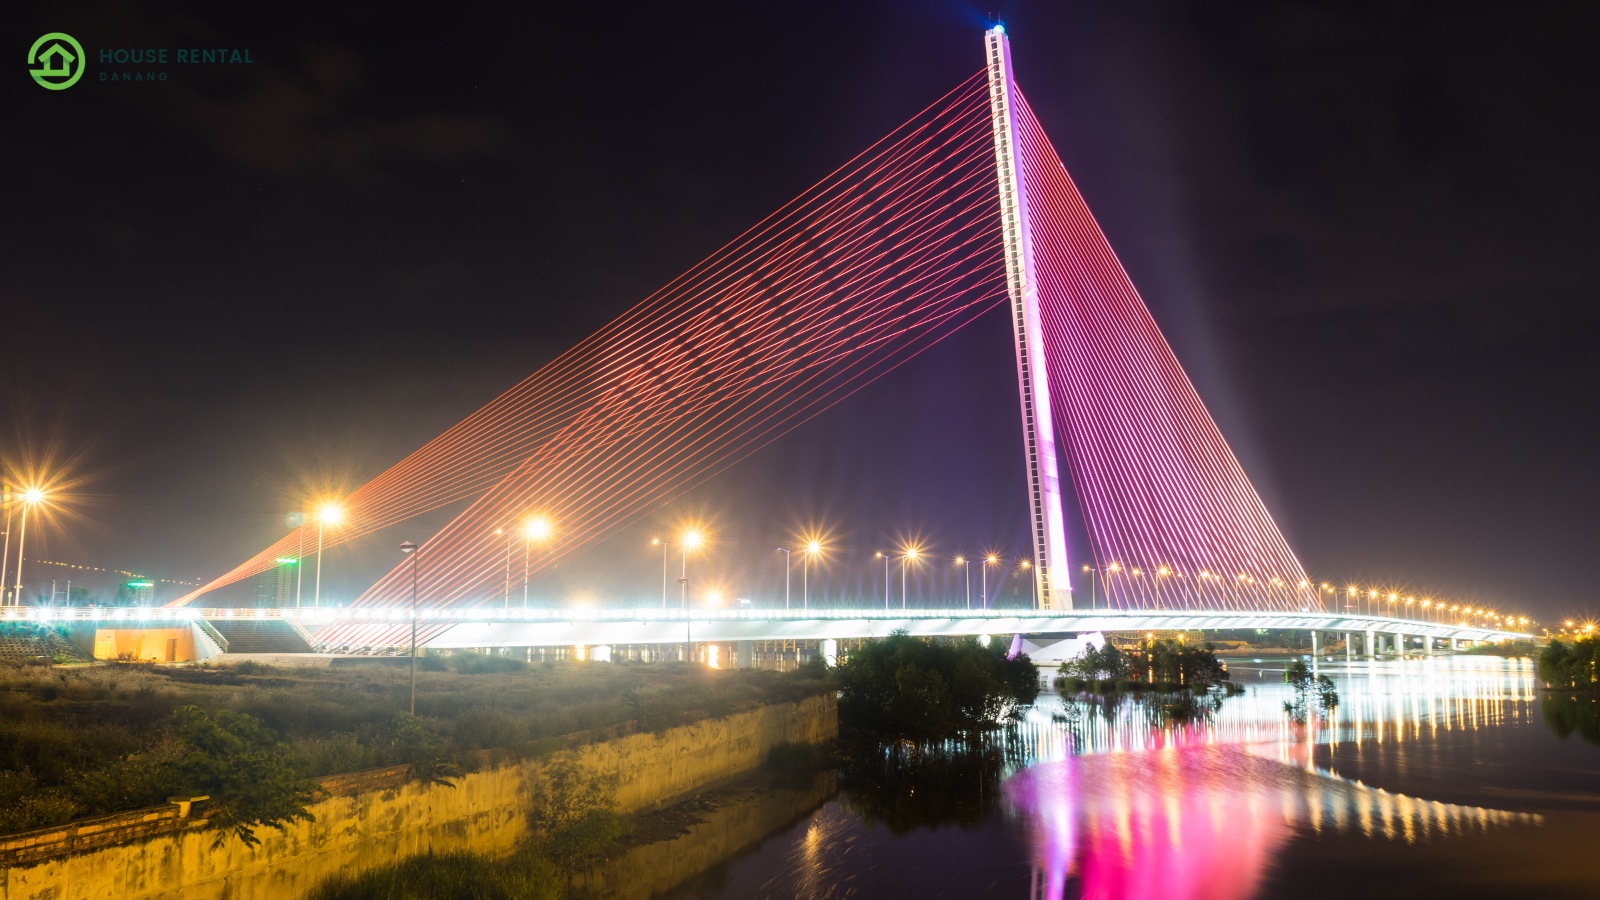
{"x":745,"y":651}
{"x":829,"y":648}
{"x":1427,"y":645}
{"x":1314,"y":644}
{"x":1349,"y":646}
{"x":1371,"y":644}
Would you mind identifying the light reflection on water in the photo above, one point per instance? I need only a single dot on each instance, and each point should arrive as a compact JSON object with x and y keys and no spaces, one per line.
{"x":1103,"y":802}
{"x":1125,"y":805}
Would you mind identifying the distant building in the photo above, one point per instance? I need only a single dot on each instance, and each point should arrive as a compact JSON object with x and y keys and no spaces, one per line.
{"x":275,"y":586}
{"x":140,"y":591}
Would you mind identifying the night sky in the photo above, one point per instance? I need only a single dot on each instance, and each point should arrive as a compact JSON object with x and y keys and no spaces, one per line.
{"x":1368,"y":231}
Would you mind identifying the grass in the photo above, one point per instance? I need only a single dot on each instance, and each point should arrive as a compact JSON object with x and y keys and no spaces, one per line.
{"x":88,"y":740}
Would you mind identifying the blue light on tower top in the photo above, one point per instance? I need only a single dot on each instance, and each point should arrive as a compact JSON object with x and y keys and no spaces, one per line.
{"x":1000,"y":27}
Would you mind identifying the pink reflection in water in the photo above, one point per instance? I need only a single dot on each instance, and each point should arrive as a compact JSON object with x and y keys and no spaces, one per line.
{"x":1179,"y":823}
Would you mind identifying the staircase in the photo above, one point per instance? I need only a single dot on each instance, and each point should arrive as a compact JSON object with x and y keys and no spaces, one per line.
{"x":28,"y":642}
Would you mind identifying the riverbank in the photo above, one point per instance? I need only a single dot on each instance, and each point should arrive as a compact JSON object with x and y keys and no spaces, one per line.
{"x":381,"y":815}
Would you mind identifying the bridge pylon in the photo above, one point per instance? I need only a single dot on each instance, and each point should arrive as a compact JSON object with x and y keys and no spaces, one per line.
{"x":1051,"y":587}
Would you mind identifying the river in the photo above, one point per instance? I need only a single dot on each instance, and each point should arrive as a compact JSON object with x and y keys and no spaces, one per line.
{"x":1434,"y":777}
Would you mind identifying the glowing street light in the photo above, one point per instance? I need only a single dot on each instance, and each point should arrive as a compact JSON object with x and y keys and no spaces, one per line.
{"x":908,"y":554}
{"x":885,"y":557}
{"x":990,"y":560}
{"x":813,"y":550}
{"x":327,"y":514}
{"x":538,"y":529}
{"x":966,"y":568}
{"x":31,"y":497}
{"x":691,"y":539}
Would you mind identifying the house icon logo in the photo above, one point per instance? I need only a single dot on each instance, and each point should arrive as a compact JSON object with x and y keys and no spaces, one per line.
{"x":56,"y":61}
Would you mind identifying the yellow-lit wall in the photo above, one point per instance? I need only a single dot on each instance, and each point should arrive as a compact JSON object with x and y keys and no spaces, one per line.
{"x":144,"y":643}
{"x":485,"y":812}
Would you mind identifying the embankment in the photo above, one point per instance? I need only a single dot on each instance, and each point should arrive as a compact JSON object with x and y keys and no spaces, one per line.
{"x":376,"y":817}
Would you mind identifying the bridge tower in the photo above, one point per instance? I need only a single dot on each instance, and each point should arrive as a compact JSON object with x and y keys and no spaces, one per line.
{"x":1038,"y":430}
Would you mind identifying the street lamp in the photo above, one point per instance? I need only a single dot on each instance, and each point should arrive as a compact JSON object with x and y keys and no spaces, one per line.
{"x":1111,"y":584}
{"x":30,"y":498}
{"x":1033,"y":599}
{"x":885,"y":557}
{"x":966,"y":568}
{"x":329,"y":514}
{"x":536,"y":529}
{"x":910,"y":553}
{"x":990,"y":560}
{"x":812,"y":551}
{"x":1094,"y":602}
{"x":691,"y":540}
{"x":410,"y":549}
{"x":787,"y":559}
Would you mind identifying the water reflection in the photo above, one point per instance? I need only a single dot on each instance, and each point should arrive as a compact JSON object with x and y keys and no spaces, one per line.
{"x":1203,"y":821}
{"x":1118,"y":804}
{"x":1569,"y":715}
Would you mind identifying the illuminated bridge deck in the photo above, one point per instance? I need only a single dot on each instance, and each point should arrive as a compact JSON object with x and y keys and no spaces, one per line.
{"x":519,"y":627}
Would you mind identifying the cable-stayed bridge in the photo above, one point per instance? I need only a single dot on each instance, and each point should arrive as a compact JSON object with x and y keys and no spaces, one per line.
{"x":962,"y":210}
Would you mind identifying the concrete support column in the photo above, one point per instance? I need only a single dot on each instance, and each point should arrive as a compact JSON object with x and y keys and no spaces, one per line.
{"x":1314,"y":644}
{"x":1371,"y":646}
{"x":746,"y":652}
{"x":830,"y":651}
{"x":1455,"y":643}
{"x":1427,"y":645}
{"x":1349,"y":646}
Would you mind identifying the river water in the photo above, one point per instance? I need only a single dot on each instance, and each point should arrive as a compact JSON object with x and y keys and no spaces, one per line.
{"x":1434,"y":777}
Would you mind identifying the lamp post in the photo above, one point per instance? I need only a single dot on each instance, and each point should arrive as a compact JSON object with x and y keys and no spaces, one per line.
{"x":30,"y":498}
{"x":536,"y":529}
{"x":410,"y":549}
{"x":5,"y":561}
{"x":329,"y":514}
{"x":813,"y":549}
{"x":966,"y":568}
{"x":690,"y":539}
{"x":1033,"y":597}
{"x":990,"y":560}
{"x":885,"y":557}
{"x":909,"y":554}
{"x":786,"y":567}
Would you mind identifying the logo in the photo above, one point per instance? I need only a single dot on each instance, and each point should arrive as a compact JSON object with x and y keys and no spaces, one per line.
{"x":57,"y":61}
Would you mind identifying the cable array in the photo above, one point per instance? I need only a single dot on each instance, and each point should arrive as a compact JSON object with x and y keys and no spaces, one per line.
{"x":884,"y":257}
{"x":1172,"y":519}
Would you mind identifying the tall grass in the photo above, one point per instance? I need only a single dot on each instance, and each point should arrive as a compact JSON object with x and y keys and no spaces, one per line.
{"x":89,"y":740}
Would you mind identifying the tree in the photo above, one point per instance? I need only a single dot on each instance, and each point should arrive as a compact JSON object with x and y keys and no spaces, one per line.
{"x":246,"y":771}
{"x":907,"y":688}
{"x":1570,"y":667}
{"x":1313,"y":693}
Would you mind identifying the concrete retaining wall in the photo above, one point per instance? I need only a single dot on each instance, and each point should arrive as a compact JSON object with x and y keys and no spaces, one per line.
{"x":377,"y":817}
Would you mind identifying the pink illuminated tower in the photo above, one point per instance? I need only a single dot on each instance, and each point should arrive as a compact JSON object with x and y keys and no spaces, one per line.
{"x":1038,"y":429}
